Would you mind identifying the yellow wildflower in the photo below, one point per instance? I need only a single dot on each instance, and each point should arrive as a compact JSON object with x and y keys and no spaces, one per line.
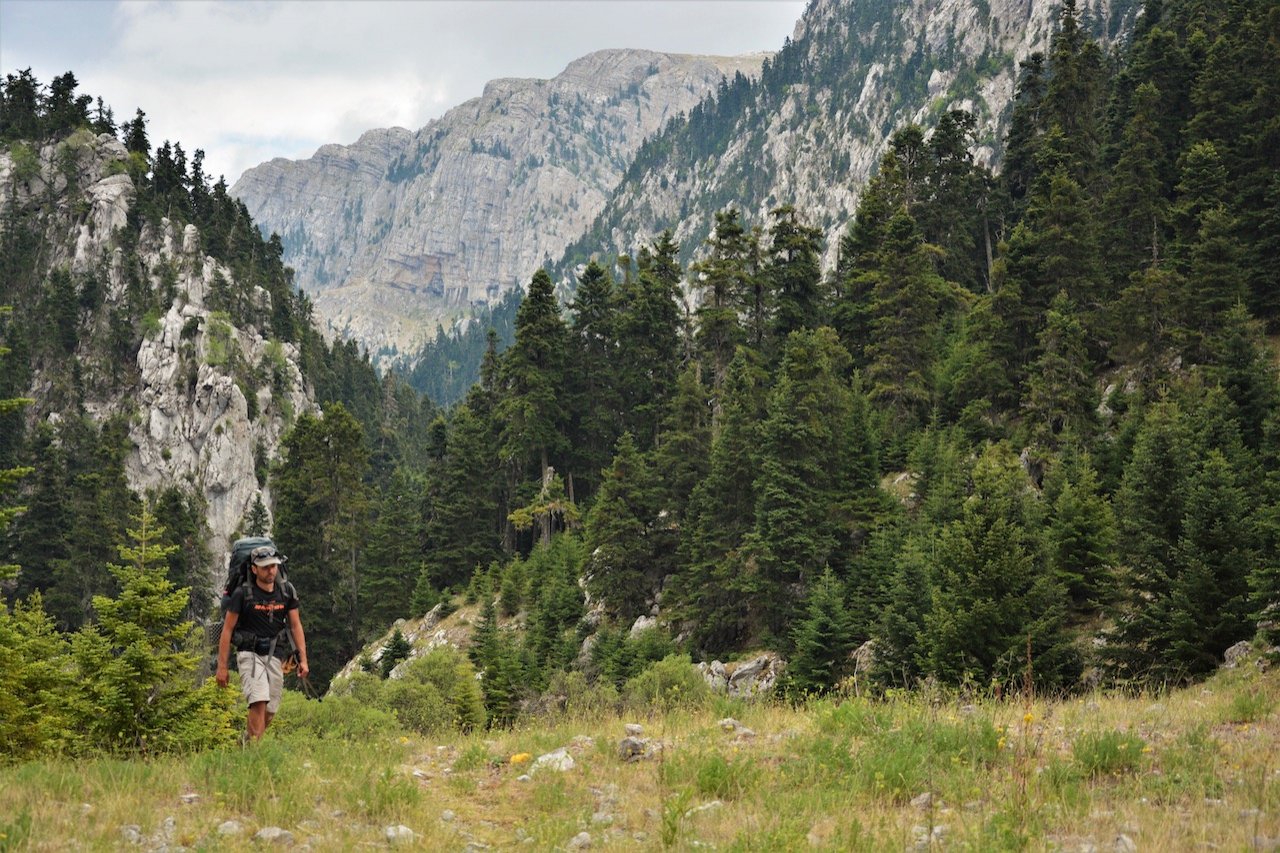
{"x":521,"y":758}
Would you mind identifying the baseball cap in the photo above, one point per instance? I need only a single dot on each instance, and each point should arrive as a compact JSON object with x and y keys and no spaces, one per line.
{"x":265,"y":555}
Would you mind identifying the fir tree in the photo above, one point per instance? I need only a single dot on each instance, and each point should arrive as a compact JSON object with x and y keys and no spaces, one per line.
{"x":823,"y":639}
{"x":257,"y":522}
{"x":806,"y":473}
{"x":900,"y":651}
{"x":135,"y":667}
{"x":321,"y":513}
{"x":724,"y":280}
{"x":993,"y":593}
{"x":594,"y":404}
{"x":1060,"y":394}
{"x":532,"y":377}
{"x":794,"y":275}
{"x":622,"y":533}
{"x":36,"y":685}
{"x":461,"y":532}
{"x":1081,"y":534}
{"x":649,"y":323}
{"x":908,"y":302}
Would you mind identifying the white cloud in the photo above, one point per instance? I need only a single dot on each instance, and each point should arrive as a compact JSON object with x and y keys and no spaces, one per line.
{"x":248,"y":81}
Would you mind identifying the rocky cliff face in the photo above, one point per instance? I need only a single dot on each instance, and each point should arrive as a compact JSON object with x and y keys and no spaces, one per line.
{"x":193,"y":420}
{"x":402,"y":229}
{"x":813,"y":129}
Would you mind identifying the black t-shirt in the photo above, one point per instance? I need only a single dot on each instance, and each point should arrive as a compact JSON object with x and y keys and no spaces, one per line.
{"x":263,"y":614}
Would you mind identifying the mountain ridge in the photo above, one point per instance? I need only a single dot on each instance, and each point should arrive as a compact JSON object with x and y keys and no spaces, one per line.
{"x":406,"y":229}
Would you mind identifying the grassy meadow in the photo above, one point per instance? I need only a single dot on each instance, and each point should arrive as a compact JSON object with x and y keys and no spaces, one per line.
{"x":1190,"y":769}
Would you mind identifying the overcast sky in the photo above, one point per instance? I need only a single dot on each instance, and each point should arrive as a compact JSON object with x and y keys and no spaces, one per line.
{"x":247,"y":80}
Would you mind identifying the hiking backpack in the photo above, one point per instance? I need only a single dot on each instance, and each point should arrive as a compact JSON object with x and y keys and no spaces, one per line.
{"x":238,"y":574}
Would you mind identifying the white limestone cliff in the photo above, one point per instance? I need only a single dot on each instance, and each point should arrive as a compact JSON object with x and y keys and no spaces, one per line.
{"x":402,"y":230}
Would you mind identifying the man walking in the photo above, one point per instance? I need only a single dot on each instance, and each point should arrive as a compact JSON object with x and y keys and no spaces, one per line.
{"x":260,"y":615}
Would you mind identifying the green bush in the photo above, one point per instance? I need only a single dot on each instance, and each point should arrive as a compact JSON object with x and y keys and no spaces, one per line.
{"x":581,"y":697}
{"x":340,"y":717}
{"x":151,"y":323}
{"x":671,"y":682}
{"x":1108,"y":753}
{"x":417,"y":705}
{"x":449,"y":671}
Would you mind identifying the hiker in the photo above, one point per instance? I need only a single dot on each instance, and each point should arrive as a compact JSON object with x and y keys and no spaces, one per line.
{"x":259,"y":615}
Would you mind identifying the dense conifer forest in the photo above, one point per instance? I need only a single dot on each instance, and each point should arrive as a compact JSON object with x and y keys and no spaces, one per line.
{"x":1030,"y":421}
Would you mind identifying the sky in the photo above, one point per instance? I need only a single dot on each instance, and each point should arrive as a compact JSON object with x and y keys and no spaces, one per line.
{"x":249,"y":80}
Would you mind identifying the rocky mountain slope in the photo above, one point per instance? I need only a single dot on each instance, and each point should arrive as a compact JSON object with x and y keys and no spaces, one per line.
{"x":404,"y":229}
{"x":811,"y":131}
{"x":196,"y":416}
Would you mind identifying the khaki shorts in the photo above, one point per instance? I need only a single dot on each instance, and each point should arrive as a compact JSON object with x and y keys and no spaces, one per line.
{"x":261,"y":679}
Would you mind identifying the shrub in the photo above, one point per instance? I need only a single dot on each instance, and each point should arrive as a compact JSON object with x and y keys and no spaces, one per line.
{"x":669,"y":683}
{"x":579,"y":697}
{"x":340,"y":717}
{"x":151,"y":323}
{"x":1108,"y":753}
{"x":417,"y":705}
{"x":449,"y":671}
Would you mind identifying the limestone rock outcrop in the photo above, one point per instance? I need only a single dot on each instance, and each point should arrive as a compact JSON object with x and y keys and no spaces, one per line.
{"x":193,"y":420}
{"x":814,"y":130}
{"x":404,"y":229}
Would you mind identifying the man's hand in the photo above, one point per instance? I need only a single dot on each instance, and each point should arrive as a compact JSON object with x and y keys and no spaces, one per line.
{"x":222,"y":676}
{"x":303,"y":669}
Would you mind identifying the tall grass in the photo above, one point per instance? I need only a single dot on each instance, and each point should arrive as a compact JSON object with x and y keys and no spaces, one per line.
{"x":1178,"y":770}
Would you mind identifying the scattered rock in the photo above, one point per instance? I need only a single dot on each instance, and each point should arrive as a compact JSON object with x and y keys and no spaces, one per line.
{"x":447,"y":815}
{"x":632,"y":748}
{"x":704,"y":807}
{"x":1237,"y":653}
{"x":1124,"y":844}
{"x":926,"y":838}
{"x":398,"y":834}
{"x":189,"y":799}
{"x":274,"y":835}
{"x":523,"y":777}
{"x":559,"y":760}
{"x":923,"y":801}
{"x":729,"y":724}
{"x":132,"y":833}
{"x":581,"y":841}
{"x":602,"y":819}
{"x":1268,"y":845}
{"x":633,"y":729}
{"x":230,"y":828}
{"x":643,"y":623}
{"x":85,"y":808}
{"x":581,"y":743}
